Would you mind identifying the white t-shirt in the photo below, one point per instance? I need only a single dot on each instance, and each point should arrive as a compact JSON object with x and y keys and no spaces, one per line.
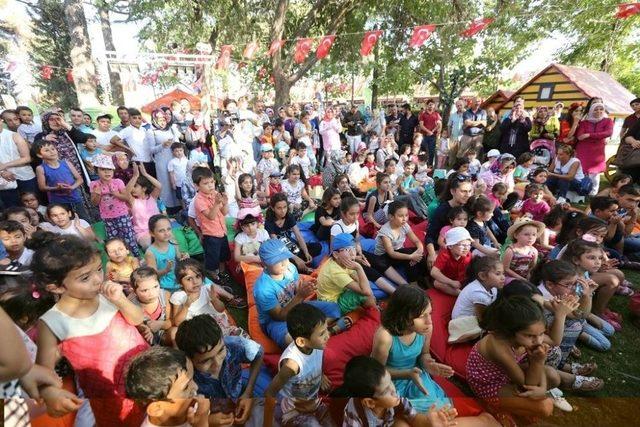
{"x":179,"y":167}
{"x":70,"y":230}
{"x":103,"y":139}
{"x":304,"y":163}
{"x":340,"y":227}
{"x":248,"y":245}
{"x":305,"y":385}
{"x":140,"y":141}
{"x":473,"y":293}
{"x":293,"y":192}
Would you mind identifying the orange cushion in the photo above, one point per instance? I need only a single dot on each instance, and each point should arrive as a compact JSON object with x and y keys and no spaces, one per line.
{"x":251,"y":274}
{"x":46,"y":420}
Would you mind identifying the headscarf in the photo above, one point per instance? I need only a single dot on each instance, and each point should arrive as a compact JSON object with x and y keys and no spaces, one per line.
{"x":543,"y":121}
{"x":590,"y":115}
{"x":166,"y":112}
{"x":496,"y":166}
{"x":123,"y":174}
{"x":61,"y":133}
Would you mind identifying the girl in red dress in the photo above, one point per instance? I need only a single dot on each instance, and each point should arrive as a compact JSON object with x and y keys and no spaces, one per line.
{"x":93,"y":325}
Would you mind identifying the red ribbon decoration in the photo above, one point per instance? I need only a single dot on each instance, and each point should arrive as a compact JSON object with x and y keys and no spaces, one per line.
{"x":225,"y":57}
{"x":276,"y":45}
{"x":325,"y":46}
{"x":369,"y":41}
{"x":250,"y":50}
{"x":476,"y":26}
{"x":303,"y":47}
{"x":626,"y":10}
{"x":46,"y":72}
{"x":421,"y":34}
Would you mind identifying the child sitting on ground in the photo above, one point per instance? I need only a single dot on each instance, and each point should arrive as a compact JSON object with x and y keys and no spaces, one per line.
{"x":218,"y":361}
{"x":248,"y":241}
{"x":13,"y":238}
{"x":486,"y":278}
{"x":373,"y":400}
{"x":300,"y":376}
{"x":156,"y":327}
{"x":342,"y":280}
{"x":534,"y":205}
{"x":484,"y":242}
{"x":457,"y":217}
{"x":121,"y":263}
{"x":449,"y":268}
{"x":521,"y":256}
{"x":161,"y":381}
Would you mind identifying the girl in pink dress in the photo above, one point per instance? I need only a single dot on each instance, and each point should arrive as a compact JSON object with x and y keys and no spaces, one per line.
{"x":93,"y":325}
{"x":592,"y":135}
{"x":144,"y":191}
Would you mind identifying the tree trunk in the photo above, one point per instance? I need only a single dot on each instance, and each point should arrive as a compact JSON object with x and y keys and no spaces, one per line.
{"x":117,"y":95}
{"x":84,"y":70}
{"x":283,"y":89}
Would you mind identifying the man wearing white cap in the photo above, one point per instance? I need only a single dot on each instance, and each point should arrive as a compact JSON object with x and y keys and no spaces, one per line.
{"x":450,"y":267}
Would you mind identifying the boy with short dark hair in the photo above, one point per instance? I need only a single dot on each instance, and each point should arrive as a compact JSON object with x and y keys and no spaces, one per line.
{"x":217,"y":361}
{"x":628,"y":198}
{"x":300,"y":377}
{"x":606,"y":208}
{"x":13,"y":237}
{"x":177,"y":169}
{"x":161,"y":380}
{"x":28,"y":129}
{"x":211,"y":208}
{"x":88,"y":153}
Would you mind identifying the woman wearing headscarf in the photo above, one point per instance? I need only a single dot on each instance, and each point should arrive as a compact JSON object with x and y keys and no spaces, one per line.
{"x":592,"y":134}
{"x":164,"y":133}
{"x":514,"y":131}
{"x":569,"y":124}
{"x":500,"y":171}
{"x":330,"y":128}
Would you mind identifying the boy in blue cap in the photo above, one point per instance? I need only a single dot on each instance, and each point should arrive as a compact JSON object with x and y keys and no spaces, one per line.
{"x":279,"y":289}
{"x":342,"y":279}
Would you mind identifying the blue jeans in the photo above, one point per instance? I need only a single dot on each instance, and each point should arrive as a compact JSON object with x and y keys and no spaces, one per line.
{"x":598,"y":339}
{"x":429,"y":145}
{"x":560,"y":187}
{"x":632,"y":244}
{"x":277,"y":330}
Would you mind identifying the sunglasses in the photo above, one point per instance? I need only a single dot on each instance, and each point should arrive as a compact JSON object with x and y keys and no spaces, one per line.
{"x":461,"y":177}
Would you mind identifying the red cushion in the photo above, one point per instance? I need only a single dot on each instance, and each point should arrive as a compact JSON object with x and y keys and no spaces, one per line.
{"x":419,"y":230}
{"x":454,"y":355}
{"x":234,"y":269}
{"x":357,"y":341}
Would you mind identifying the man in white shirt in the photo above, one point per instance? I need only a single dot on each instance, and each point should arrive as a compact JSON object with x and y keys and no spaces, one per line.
{"x":106,"y":138}
{"x":139,"y":140}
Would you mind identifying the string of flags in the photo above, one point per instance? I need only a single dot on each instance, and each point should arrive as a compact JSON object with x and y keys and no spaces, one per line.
{"x":303,"y":46}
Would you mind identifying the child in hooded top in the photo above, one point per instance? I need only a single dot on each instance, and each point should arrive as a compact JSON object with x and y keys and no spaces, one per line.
{"x":401,"y":343}
{"x":219,"y":373}
{"x":300,"y":378}
{"x":156,"y":327}
{"x":91,"y":317}
{"x":449,"y":268}
{"x":160,"y":380}
{"x":373,"y":399}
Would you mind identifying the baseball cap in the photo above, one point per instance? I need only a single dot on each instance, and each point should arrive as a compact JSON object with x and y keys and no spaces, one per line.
{"x":275,"y":174}
{"x":273,"y":251}
{"x":267,"y":146}
{"x":343,"y":240}
{"x":456,"y":235}
{"x":493,"y":153}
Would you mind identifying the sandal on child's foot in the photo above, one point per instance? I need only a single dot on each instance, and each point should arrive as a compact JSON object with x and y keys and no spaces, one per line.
{"x":575,"y":352}
{"x":624,"y":290}
{"x":559,"y":401}
{"x":583,"y":368}
{"x":587,"y":383}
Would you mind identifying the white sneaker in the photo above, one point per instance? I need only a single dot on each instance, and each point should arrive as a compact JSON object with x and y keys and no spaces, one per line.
{"x":559,"y":401}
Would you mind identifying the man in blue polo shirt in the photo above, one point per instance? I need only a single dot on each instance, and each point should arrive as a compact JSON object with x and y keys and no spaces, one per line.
{"x":474,"y":122}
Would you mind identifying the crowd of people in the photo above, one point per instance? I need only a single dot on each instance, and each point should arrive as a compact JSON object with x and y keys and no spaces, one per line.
{"x":108,"y":319}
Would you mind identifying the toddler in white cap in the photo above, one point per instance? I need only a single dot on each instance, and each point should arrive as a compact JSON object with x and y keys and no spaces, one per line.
{"x":450,"y":267}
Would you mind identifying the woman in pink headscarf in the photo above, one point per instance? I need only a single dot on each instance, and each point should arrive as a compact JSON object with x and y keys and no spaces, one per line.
{"x":329,"y":130}
{"x":592,"y":134}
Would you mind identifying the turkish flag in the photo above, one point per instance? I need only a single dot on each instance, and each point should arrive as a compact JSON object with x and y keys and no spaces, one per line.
{"x":369,"y":41}
{"x":250,"y":50}
{"x":420,"y":35}
{"x":275,"y":46}
{"x":46,"y":72}
{"x":303,"y":47}
{"x":225,"y":57}
{"x":626,"y":10}
{"x":325,"y":46}
{"x":476,"y":26}
{"x":70,"y":76}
